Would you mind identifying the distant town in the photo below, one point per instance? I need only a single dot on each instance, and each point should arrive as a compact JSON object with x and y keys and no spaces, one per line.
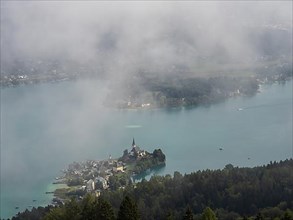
{"x":93,"y":176}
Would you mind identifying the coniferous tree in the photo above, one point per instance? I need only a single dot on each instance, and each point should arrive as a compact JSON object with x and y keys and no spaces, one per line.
{"x":128,"y":210}
{"x":104,"y":210}
{"x":208,"y":214}
{"x":53,"y":214}
{"x":170,"y":215}
{"x":88,"y":207}
{"x":239,"y":191}
{"x":288,"y":215}
{"x":72,"y":210}
{"x":188,"y":214}
{"x":259,"y":216}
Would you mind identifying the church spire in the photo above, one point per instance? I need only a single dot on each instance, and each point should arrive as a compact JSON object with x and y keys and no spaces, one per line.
{"x":133,"y":143}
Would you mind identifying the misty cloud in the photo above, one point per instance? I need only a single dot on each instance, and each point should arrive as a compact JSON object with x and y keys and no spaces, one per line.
{"x":115,"y":41}
{"x":121,"y":38}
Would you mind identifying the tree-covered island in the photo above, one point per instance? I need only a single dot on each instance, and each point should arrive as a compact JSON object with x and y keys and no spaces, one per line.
{"x":94,"y":176}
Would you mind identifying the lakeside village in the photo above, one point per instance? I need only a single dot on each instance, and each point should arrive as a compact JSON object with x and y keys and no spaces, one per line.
{"x":95,"y":176}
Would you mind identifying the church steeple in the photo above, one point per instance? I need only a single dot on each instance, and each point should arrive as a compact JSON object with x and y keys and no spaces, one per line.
{"x":133,"y":143}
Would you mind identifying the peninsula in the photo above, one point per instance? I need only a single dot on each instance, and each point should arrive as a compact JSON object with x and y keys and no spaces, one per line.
{"x":93,"y":176}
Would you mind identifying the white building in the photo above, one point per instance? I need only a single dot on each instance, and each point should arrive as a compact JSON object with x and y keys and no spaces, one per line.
{"x":103,"y":181}
{"x":90,"y":185}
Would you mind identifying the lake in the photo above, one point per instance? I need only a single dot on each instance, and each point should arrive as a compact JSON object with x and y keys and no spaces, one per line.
{"x":45,"y":127}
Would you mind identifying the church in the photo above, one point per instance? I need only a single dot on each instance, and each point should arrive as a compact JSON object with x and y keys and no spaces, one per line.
{"x":136,"y":152}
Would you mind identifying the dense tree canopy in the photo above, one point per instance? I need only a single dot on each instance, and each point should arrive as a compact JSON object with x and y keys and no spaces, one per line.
{"x":128,"y":210}
{"x":208,"y":214}
{"x":231,"y":193}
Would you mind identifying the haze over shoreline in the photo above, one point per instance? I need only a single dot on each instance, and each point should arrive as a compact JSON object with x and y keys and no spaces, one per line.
{"x":118,"y":39}
{"x":136,"y":55}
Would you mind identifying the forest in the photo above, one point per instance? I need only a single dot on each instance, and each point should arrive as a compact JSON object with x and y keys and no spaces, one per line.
{"x":263,"y":192}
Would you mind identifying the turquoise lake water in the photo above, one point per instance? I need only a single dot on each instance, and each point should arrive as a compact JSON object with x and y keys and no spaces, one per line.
{"x":46,"y":127}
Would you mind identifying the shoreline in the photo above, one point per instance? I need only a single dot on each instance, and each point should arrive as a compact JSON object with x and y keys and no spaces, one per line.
{"x":253,"y":159}
{"x":94,"y":176}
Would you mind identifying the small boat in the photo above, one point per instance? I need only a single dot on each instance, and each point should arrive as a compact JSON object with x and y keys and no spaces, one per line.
{"x":240,"y":109}
{"x":16,"y":207}
{"x":221,"y":148}
{"x":34,"y":200}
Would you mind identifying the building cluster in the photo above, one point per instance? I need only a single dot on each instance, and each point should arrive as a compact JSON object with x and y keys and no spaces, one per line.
{"x":93,"y":176}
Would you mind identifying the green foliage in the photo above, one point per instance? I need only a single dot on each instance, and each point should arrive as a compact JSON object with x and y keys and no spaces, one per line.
{"x":169,"y":215}
{"x":156,"y":159}
{"x":55,"y":214}
{"x":188,"y":214}
{"x":259,"y":216}
{"x":75,"y":181}
{"x":34,"y":214}
{"x":237,"y":191}
{"x":72,"y":210}
{"x":177,"y":91}
{"x":159,"y":155}
{"x":89,"y":208}
{"x":128,"y":210}
{"x":114,"y":182}
{"x":258,"y":193}
{"x":208,"y":214}
{"x":104,"y":210}
{"x":288,"y":215}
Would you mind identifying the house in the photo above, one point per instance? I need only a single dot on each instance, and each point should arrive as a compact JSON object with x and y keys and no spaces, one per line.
{"x":118,"y":167}
{"x":90,"y":185}
{"x":98,"y":193}
{"x":103,"y":182}
{"x":141,"y":153}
